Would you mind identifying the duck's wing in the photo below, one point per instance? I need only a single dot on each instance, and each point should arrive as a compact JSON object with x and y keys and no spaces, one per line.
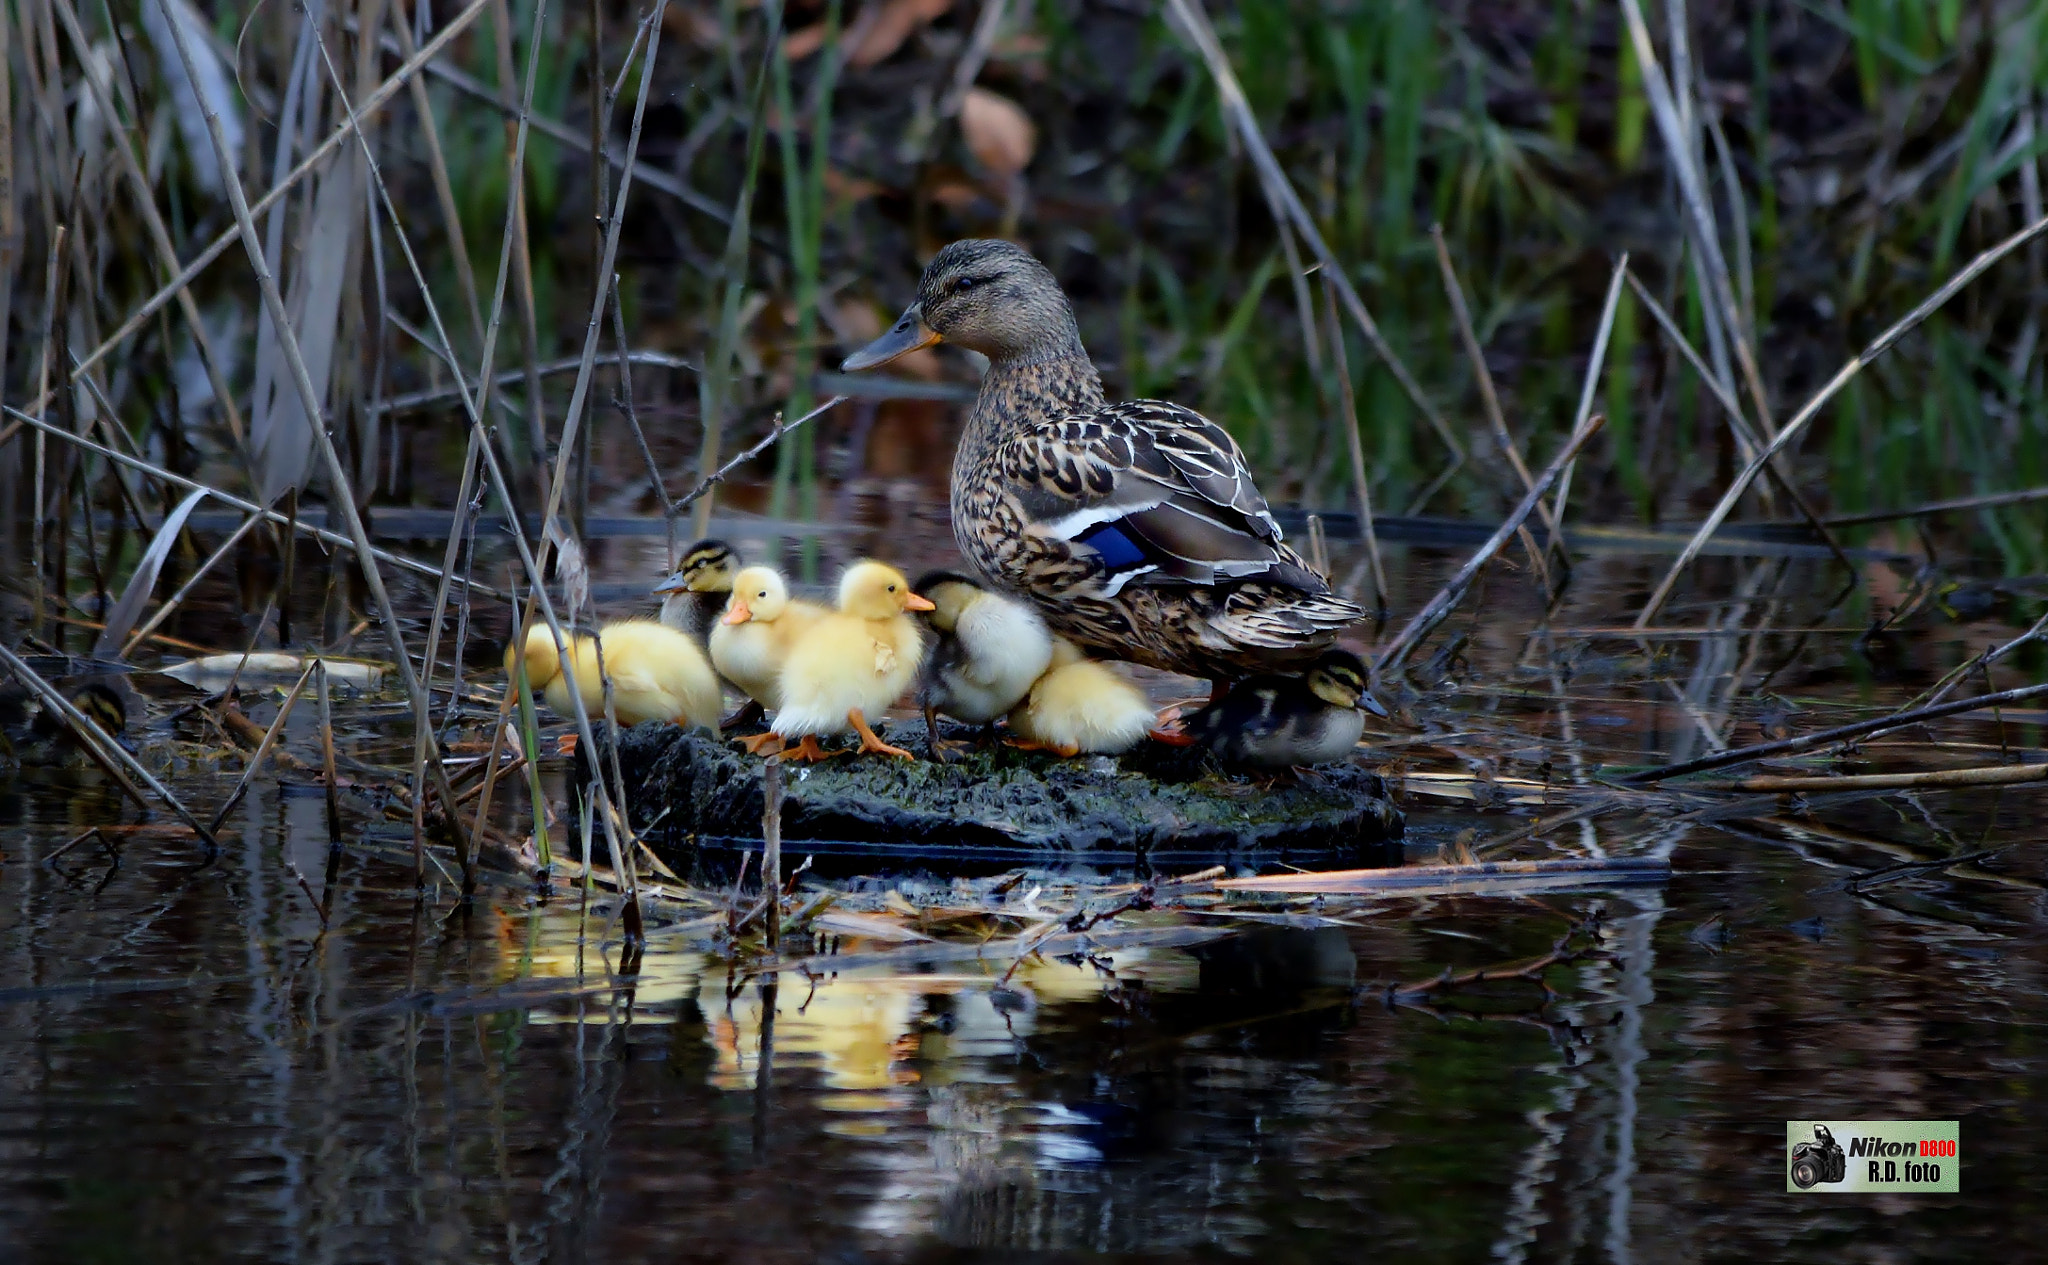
{"x":1160,"y":493}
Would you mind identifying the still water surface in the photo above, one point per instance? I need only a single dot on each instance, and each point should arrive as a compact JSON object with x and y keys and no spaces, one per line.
{"x":190,"y":1070}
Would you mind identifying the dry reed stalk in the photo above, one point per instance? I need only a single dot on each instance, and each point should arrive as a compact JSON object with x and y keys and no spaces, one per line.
{"x":771,"y":848}
{"x":1279,"y":188}
{"x":697,"y":495}
{"x":1596,"y":364}
{"x":166,"y":251}
{"x":1840,"y":733}
{"x":1926,"y":779}
{"x":246,"y":506}
{"x":1745,"y":438}
{"x":270,"y":736}
{"x":50,"y":277}
{"x":1391,"y":658}
{"x":624,"y":361}
{"x":1811,"y":409}
{"x":295,"y":363}
{"x":1361,"y":485}
{"x":1490,"y":401}
{"x":227,"y":237}
{"x":437,"y":167}
{"x":10,"y":225}
{"x":1677,"y":134}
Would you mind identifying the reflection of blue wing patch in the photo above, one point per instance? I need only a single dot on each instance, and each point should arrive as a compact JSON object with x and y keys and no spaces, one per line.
{"x":1118,"y":550}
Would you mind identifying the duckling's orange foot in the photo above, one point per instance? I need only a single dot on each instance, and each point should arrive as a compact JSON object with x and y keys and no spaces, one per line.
{"x":761,"y":744}
{"x":565,"y":745}
{"x":947,"y":750}
{"x":1065,"y":751}
{"x":807,"y":748}
{"x":869,"y":742}
{"x":1171,"y":737}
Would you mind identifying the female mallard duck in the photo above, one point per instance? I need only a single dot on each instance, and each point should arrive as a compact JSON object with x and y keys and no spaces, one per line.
{"x":657,"y":673}
{"x":990,"y":650}
{"x":1134,"y":528}
{"x":1081,"y":705}
{"x":1281,"y":722}
{"x":852,"y":663}
{"x":694,"y":597}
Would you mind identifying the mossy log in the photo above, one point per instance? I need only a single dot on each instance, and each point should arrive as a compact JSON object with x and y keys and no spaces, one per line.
{"x":1162,"y":804}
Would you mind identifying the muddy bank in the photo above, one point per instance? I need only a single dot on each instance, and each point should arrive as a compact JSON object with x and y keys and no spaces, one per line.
{"x":1160,"y":804}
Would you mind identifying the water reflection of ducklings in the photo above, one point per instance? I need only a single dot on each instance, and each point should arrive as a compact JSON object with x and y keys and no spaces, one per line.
{"x":1081,"y":706}
{"x":49,"y":741}
{"x":657,"y":673}
{"x":1280,"y":722}
{"x":853,"y":663}
{"x":694,"y":597}
{"x":990,"y":651}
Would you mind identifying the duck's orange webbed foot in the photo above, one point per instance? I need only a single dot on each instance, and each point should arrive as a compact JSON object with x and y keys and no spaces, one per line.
{"x":1065,"y":751}
{"x":869,"y":742}
{"x":807,"y":748}
{"x":1167,"y":729}
{"x":761,"y":744}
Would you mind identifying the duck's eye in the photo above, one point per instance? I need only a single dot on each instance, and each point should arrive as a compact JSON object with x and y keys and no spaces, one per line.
{"x":963,"y":285}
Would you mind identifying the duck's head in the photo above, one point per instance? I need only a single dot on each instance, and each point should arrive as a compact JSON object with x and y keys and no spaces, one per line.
{"x":1341,"y":679}
{"x":986,"y":295}
{"x":951,"y":594}
{"x":876,"y":590}
{"x":100,"y":703}
{"x":542,"y":663}
{"x":708,"y":566}
{"x":757,"y":593}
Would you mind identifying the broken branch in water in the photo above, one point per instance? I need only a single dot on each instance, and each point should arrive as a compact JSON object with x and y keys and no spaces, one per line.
{"x":1806,"y":742}
{"x":1991,"y":775}
{"x":768,"y":441}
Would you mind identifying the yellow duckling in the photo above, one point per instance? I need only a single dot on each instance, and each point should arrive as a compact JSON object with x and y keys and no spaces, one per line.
{"x":853,"y":662}
{"x":1081,"y":705}
{"x":657,"y":673}
{"x":753,"y":639}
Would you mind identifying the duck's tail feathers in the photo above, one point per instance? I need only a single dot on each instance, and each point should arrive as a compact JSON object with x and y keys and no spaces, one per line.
{"x":1251,"y":618}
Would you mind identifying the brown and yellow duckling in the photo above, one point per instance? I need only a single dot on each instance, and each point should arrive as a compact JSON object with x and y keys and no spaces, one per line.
{"x":1273,"y":722}
{"x":694,"y":597}
{"x":48,"y":740}
{"x":1136,"y":529}
{"x":989,"y":651}
{"x":853,"y":663}
{"x":657,"y":673}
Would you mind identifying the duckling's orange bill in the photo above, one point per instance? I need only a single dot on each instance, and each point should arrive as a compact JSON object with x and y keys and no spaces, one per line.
{"x":912,"y":602}
{"x":737,"y":613}
{"x":908,"y":334}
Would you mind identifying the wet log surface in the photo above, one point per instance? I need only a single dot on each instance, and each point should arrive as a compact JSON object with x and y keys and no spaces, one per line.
{"x":1165,"y":805}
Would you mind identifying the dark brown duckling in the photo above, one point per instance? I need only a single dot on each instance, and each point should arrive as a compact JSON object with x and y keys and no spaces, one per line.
{"x":1278,"y":722}
{"x":693,"y":599}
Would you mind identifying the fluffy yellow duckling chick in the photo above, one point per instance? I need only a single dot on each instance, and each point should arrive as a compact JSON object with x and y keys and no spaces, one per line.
{"x":853,"y":662}
{"x":657,"y":673}
{"x":753,"y":639}
{"x":1081,"y":705}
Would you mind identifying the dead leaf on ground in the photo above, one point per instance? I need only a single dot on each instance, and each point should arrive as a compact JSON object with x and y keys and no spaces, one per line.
{"x":876,"y":39}
{"x":998,"y":132}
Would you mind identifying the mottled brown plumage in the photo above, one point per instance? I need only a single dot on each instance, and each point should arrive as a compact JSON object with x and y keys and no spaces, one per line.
{"x":1135,"y":528}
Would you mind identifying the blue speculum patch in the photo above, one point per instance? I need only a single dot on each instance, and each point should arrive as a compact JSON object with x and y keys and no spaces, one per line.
{"x":1117,"y":549}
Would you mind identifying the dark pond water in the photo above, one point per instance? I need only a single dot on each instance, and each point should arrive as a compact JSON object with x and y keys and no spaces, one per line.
{"x":192,"y":1070}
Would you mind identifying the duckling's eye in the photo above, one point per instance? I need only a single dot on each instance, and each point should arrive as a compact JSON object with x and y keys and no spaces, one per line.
{"x":892,"y":588}
{"x":762,"y":593}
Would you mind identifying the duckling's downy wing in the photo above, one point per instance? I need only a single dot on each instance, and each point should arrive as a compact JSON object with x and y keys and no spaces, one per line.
{"x":1159,"y":492}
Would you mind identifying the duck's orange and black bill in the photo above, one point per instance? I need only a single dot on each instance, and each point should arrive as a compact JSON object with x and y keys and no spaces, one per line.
{"x":907,"y":335}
